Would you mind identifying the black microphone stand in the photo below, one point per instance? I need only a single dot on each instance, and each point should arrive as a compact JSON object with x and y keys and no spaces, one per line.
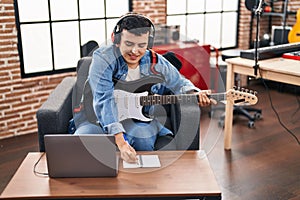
{"x":258,"y":12}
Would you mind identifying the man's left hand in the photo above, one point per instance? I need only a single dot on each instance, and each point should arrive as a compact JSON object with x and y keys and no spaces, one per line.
{"x":204,"y":100}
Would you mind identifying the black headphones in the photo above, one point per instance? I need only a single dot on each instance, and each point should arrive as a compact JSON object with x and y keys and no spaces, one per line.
{"x":116,"y":36}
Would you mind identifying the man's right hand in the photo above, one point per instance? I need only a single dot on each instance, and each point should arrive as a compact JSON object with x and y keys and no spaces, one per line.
{"x":128,"y":154}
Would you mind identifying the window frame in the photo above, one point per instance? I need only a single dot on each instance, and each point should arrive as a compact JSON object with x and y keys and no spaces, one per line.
{"x":186,"y":14}
{"x":50,"y":22}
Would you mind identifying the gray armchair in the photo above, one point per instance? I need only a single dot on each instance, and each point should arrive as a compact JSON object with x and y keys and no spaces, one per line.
{"x":54,"y":115}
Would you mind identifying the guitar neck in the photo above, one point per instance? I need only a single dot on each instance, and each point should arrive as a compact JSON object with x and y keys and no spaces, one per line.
{"x":173,"y":99}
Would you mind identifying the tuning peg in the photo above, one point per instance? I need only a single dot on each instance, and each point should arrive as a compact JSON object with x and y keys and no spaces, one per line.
{"x":251,"y":91}
{"x":255,"y":93}
{"x":234,"y":87}
{"x":246,"y":90}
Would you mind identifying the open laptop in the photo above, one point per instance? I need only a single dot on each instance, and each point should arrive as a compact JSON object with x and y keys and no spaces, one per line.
{"x":81,"y":155}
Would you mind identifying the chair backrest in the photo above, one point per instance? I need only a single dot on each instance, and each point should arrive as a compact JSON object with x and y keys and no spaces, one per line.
{"x":83,"y":66}
{"x":88,"y":48}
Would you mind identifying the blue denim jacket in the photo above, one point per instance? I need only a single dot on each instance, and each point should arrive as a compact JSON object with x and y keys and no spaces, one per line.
{"x":107,"y":63}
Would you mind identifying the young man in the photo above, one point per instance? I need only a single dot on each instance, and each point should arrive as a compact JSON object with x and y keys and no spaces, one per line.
{"x":128,"y":59}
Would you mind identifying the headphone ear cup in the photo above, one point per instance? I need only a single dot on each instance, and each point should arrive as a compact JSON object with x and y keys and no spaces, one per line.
{"x":150,"y":42}
{"x":117,"y":38}
{"x":112,"y":36}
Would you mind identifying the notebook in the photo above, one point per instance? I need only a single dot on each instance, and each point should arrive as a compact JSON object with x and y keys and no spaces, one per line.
{"x":81,"y":155}
{"x":144,"y":161}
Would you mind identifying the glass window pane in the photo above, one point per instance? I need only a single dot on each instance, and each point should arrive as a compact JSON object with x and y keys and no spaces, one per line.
{"x":92,"y":30}
{"x":213,"y":5}
{"x":36,"y":45}
{"x":194,"y":6}
{"x":66,"y":44}
{"x":195,"y":21}
{"x":63,"y":10}
{"x":29,"y":13}
{"x":110,"y":24}
{"x":230,"y":5}
{"x":229,"y":29}
{"x":179,"y":20}
{"x":176,"y":7}
{"x":116,"y":8}
{"x":91,"y":9}
{"x":213,"y":33}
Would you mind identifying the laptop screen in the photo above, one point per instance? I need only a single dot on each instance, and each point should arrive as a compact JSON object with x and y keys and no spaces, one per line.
{"x":81,"y":155}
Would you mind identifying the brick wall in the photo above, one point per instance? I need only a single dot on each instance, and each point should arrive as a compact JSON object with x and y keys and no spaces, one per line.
{"x":154,"y":9}
{"x":20,"y":98}
{"x":244,"y":28}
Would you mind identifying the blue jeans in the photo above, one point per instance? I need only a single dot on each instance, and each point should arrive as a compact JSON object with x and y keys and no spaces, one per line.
{"x":140,"y":135}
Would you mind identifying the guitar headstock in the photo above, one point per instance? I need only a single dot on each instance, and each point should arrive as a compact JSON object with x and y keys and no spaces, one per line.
{"x":242,"y":95}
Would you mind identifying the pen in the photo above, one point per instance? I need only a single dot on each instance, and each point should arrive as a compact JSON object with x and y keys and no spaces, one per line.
{"x":141,"y":161}
{"x":126,"y":140}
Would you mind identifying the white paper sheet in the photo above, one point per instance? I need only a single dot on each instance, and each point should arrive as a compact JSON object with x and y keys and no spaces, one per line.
{"x":144,"y":161}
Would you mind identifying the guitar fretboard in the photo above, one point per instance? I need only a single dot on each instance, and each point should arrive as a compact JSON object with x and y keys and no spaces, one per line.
{"x":173,"y":99}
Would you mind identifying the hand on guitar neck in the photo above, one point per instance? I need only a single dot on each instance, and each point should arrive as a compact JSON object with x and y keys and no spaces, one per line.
{"x":294,"y":34}
{"x":204,"y":100}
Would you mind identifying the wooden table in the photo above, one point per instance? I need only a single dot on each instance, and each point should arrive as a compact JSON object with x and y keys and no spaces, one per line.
{"x":183,"y":174}
{"x":276,"y":69}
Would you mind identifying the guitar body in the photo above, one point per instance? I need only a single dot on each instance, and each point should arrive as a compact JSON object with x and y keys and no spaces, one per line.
{"x":294,"y":34}
{"x":129,"y":106}
{"x":143,"y":84}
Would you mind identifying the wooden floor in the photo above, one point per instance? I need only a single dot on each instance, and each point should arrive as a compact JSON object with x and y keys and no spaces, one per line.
{"x":264,"y":163}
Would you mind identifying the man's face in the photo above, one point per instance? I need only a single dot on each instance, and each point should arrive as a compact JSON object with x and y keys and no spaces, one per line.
{"x":133,"y":47}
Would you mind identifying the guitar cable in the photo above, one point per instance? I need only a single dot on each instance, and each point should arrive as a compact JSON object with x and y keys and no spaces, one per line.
{"x":297,"y":110}
{"x":35,"y":165}
{"x":275,"y":111}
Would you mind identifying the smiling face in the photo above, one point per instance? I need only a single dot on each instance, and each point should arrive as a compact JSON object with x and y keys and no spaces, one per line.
{"x":133,"y":47}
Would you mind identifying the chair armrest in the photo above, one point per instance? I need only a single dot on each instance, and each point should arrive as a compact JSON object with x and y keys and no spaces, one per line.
{"x":188,"y":134}
{"x":54,"y":114}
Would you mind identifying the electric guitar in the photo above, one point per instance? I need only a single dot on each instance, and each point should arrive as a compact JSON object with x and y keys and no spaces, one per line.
{"x":132,"y":96}
{"x":294,"y":34}
{"x":130,"y":105}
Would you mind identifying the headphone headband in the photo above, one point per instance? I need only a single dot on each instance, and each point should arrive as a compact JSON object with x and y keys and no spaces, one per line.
{"x":117,"y":29}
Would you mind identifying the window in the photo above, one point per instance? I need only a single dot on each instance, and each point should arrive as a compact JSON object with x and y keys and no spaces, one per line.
{"x":58,"y":29}
{"x":210,"y":22}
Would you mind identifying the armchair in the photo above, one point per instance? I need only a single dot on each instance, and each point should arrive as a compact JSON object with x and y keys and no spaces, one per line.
{"x":55,"y":113}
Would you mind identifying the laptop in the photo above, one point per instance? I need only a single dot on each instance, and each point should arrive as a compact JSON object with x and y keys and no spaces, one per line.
{"x":81,"y":155}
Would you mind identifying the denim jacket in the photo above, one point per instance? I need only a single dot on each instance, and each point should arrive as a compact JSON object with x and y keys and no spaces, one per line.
{"x":107,"y":63}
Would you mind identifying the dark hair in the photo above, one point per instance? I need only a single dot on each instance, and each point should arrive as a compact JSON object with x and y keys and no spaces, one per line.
{"x":135,"y":24}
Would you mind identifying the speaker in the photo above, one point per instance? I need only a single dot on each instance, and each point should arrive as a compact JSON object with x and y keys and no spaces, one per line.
{"x":116,"y":35}
{"x":251,"y":4}
{"x":166,"y":34}
{"x":280,"y":35}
